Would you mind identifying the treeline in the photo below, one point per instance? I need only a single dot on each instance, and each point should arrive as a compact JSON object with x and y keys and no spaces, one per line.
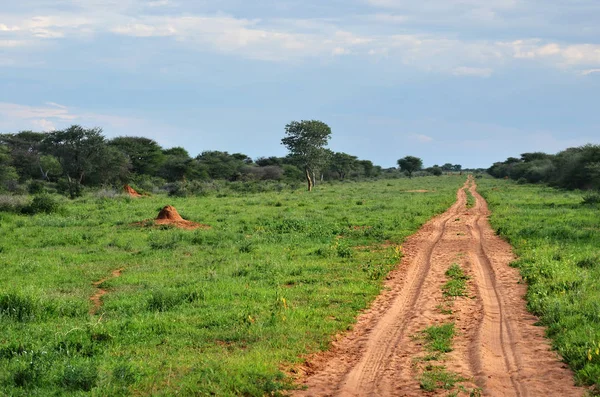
{"x":573,"y":168}
{"x":78,"y":157}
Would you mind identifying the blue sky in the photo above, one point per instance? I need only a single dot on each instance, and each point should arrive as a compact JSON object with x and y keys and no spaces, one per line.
{"x":460,"y":81}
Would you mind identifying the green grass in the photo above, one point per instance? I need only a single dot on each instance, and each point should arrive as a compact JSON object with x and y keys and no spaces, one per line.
{"x":438,"y":338}
{"x":436,"y":377}
{"x":457,"y":282}
{"x":225,"y":311}
{"x":470,"y":198}
{"x":557,"y":240}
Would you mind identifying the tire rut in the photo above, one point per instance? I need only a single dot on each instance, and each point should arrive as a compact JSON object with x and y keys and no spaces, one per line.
{"x":498,"y":347}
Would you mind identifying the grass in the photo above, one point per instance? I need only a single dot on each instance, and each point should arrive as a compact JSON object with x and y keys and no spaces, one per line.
{"x":438,"y":338}
{"x":436,"y":377}
{"x":470,"y":198}
{"x":556,"y":238}
{"x":225,"y":311}
{"x":457,"y":282}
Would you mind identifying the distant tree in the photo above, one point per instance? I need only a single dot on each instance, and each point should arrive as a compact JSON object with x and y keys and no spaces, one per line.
{"x":8,"y":173}
{"x":79,"y":152}
{"x":369,"y":170}
{"x":26,"y":154}
{"x":456,"y":167}
{"x":410,"y":164}
{"x":436,"y":170}
{"x":267,"y":161}
{"x":178,"y":165}
{"x":306,"y":141}
{"x":342,"y":164}
{"x":113,"y":167}
{"x":528,"y":157}
{"x":222,"y":165}
{"x":146,"y":155}
{"x":447,"y":167}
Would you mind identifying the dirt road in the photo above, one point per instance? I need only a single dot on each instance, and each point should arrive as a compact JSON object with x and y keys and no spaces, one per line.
{"x":498,"y":351}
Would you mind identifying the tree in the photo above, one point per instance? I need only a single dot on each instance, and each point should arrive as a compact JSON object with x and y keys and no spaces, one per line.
{"x":146,"y":155}
{"x":306,"y":141}
{"x":410,"y":164}
{"x":435,"y":170}
{"x":343,"y":163}
{"x":78,"y":150}
{"x":25,"y":150}
{"x":8,"y":173}
{"x":222,"y":165}
{"x":178,"y":165}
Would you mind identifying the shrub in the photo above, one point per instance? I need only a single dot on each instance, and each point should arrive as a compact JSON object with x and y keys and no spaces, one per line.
{"x":42,"y":204}
{"x":591,"y":197}
{"x":10,"y":203}
{"x":36,"y":187}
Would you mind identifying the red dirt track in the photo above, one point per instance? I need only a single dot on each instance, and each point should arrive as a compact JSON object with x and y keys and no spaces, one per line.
{"x":497,"y":347}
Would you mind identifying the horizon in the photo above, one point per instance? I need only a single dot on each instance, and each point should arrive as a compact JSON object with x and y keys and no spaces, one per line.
{"x":461,"y":82}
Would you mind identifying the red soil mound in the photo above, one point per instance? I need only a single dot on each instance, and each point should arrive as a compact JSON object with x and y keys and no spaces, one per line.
{"x":169,"y":212}
{"x":131,"y":191}
{"x":169,"y":216}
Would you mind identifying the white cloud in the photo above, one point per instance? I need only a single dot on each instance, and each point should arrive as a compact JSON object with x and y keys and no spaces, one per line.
{"x":44,"y":125}
{"x":589,"y":71}
{"x":340,"y":51}
{"x":469,"y":71}
{"x":277,"y":39}
{"x":54,"y":115}
{"x":4,"y":28}
{"x":566,"y":55}
{"x":422,"y":138}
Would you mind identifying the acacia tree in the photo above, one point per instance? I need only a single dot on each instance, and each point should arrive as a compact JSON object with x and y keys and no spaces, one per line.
{"x":146,"y":155}
{"x":78,"y":150}
{"x":306,"y":141}
{"x":343,"y":163}
{"x":410,"y":164}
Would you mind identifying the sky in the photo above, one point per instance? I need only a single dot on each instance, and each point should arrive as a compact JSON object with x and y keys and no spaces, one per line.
{"x":467,"y":82}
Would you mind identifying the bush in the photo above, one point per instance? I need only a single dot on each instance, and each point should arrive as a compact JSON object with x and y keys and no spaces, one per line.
{"x":591,"y":198}
{"x":42,"y":204}
{"x":36,"y":187}
{"x":10,"y":203}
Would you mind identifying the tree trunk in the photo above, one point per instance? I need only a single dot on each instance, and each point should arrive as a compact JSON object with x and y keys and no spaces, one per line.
{"x":309,"y":180}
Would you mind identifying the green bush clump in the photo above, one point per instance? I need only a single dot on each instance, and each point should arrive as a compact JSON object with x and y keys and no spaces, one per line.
{"x":591,"y":198}
{"x":10,"y":203}
{"x":43,"y":203}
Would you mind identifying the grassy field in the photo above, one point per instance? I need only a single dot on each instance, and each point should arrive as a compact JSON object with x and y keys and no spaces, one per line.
{"x":557,"y":239}
{"x":224,"y":311}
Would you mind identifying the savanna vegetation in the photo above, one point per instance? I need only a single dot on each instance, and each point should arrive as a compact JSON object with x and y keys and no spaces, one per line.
{"x":229,"y":310}
{"x":74,"y":159}
{"x":572,"y":168}
{"x":556,"y":235}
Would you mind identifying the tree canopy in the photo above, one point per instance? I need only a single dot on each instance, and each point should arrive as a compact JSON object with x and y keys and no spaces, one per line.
{"x":410,"y":164}
{"x":306,"y":141}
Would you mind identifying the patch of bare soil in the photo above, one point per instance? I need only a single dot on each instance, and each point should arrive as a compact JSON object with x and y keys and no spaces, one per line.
{"x":97,"y":297}
{"x":168,"y":215}
{"x":497,"y":347}
{"x":131,"y":191}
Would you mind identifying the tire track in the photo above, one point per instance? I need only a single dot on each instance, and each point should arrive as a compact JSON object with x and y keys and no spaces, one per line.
{"x":497,"y":342}
{"x":366,"y":369}
{"x":498,"y":346}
